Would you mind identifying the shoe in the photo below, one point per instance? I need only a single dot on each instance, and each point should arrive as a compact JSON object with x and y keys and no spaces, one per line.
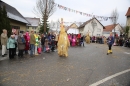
{"x":36,"y":54}
{"x":3,"y":55}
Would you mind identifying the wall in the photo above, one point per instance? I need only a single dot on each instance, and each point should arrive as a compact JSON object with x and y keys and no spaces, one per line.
{"x":128,"y":24}
{"x":73,"y":30}
{"x":128,"y":21}
{"x":31,"y":28}
{"x":17,"y":23}
{"x":98,"y":29}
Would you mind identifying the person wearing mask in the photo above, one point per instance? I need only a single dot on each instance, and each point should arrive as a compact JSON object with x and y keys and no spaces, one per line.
{"x":110,"y":42}
{"x":63,"y":42}
{"x":32,"y":44}
{"x":4,"y":39}
{"x":21,"y":44}
{"x":11,"y":46}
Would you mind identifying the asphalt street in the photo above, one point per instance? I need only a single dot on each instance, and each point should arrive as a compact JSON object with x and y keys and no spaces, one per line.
{"x":83,"y":67}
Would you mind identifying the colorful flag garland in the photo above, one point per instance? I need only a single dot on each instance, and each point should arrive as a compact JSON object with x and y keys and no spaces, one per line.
{"x":82,"y":13}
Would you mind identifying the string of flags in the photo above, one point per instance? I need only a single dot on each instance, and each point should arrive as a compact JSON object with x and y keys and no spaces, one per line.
{"x":82,"y":13}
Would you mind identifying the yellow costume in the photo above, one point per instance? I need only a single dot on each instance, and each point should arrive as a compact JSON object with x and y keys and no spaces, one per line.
{"x":63,"y":42}
{"x":87,"y":39}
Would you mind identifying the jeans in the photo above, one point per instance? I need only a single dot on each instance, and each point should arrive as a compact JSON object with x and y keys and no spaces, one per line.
{"x":32,"y":47}
{"x":43,"y":48}
{"x":36,"y":46}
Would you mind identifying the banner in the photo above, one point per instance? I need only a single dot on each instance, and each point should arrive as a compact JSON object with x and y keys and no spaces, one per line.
{"x":82,"y":13}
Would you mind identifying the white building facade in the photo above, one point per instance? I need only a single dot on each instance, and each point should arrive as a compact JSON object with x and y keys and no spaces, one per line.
{"x":93,"y":26}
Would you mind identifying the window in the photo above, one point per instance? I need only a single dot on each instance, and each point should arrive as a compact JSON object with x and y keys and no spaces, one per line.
{"x":34,"y":27}
{"x":98,"y":34}
{"x":27,"y":27}
{"x":98,"y":30}
{"x":15,"y":27}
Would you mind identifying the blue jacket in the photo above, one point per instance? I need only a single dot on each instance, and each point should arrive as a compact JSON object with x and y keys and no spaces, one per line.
{"x":110,"y":40}
{"x":11,"y":43}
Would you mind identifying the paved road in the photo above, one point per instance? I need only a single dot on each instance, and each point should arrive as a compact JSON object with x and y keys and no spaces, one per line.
{"x":84,"y":66}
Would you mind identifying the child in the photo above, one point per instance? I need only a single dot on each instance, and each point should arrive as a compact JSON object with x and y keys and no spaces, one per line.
{"x":53,"y":45}
{"x":47,"y":48}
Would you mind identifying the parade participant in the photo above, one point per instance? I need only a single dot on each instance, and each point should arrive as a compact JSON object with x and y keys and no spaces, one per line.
{"x":27,"y":38}
{"x":87,"y":39}
{"x":74,"y":40}
{"x":11,"y":46}
{"x":110,"y":42}
{"x":32,"y":44}
{"x":37,"y":42}
{"x":63,"y":42}
{"x":4,"y":39}
{"x":47,"y":48}
{"x":21,"y":44}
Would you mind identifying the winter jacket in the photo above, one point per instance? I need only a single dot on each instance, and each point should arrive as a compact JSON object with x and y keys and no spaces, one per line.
{"x":4,"y":39}
{"x":110,"y":40}
{"x":11,"y":43}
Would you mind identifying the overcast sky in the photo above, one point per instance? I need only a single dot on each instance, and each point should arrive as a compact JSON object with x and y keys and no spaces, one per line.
{"x":96,"y":7}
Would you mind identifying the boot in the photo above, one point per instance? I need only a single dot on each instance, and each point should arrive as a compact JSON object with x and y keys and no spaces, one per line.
{"x":108,"y":52}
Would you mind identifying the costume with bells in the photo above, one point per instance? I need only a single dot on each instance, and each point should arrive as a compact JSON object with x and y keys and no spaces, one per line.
{"x":63,"y":42}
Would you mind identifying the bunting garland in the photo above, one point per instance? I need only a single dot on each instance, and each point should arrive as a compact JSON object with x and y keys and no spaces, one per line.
{"x":82,"y":13}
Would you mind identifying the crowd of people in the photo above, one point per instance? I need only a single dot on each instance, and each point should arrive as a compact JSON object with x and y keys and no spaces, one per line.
{"x":35,"y":43}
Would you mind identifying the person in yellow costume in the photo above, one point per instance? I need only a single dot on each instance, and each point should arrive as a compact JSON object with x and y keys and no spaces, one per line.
{"x":87,"y":39}
{"x":63,"y":42}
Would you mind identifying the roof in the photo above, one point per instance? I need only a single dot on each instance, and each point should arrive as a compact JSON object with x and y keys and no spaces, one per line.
{"x":33,"y":21}
{"x":110,"y":27}
{"x":73,"y":24}
{"x":83,"y":25}
{"x":128,"y":12}
{"x":12,"y":13}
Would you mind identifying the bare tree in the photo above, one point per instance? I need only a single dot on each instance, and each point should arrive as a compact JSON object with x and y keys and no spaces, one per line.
{"x":44,"y":9}
{"x":114,"y":18}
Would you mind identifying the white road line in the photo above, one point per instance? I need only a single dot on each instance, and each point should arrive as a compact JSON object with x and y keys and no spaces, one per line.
{"x":110,"y":77}
{"x":126,"y":53}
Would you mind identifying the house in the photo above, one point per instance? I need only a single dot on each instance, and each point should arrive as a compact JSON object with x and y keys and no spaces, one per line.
{"x":73,"y":28}
{"x":93,"y":26}
{"x":128,"y":20}
{"x":17,"y":21}
{"x":110,"y":28}
{"x":34,"y":24}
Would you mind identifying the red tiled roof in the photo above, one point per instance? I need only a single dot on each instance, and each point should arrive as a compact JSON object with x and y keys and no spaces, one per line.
{"x":109,"y":27}
{"x":128,"y":12}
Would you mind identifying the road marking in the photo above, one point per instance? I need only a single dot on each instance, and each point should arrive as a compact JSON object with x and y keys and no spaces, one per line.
{"x":110,"y":77}
{"x":126,"y":53}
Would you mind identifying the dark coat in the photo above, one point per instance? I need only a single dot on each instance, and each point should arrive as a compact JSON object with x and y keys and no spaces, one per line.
{"x":21,"y":43}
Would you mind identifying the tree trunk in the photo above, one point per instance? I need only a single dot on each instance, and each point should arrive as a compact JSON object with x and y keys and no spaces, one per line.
{"x":45,"y":17}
